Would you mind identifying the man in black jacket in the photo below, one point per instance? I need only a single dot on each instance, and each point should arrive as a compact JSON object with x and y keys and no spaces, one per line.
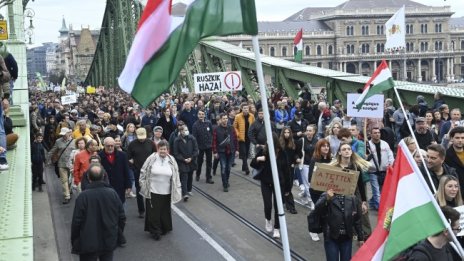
{"x":98,"y":219}
{"x":436,"y":166}
{"x":455,"y":154}
{"x":202,"y":130}
{"x":298,"y":125}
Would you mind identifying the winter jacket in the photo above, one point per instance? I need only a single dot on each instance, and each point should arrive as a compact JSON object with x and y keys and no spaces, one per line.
{"x":447,"y":170}
{"x":203,"y":133}
{"x":224,"y":140}
{"x":184,"y":148}
{"x":145,"y":176}
{"x":168,"y":127}
{"x":37,"y":153}
{"x":188,"y":117}
{"x":97,"y":221}
{"x":64,"y":148}
{"x":257,"y":133}
{"x":239,"y":125}
{"x":453,"y":161}
{"x":333,"y":216}
{"x":295,"y":127}
{"x":386,"y":156}
{"x":118,"y":172}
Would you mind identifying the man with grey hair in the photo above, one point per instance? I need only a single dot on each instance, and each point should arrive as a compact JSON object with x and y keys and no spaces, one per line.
{"x":97,"y":205}
{"x":116,"y":166}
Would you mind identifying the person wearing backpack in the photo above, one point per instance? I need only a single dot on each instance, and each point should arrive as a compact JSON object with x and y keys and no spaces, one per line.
{"x":341,"y":217}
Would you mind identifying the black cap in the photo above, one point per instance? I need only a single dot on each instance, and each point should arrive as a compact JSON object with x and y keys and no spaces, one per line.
{"x":298,"y":113}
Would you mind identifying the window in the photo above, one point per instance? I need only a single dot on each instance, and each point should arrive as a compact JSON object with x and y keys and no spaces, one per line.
{"x":437,"y":28}
{"x":424,"y":46}
{"x":319,"y":50}
{"x":438,"y":45}
{"x":380,"y":30}
{"x":462,"y":44}
{"x":424,"y":28}
{"x":365,"y":30}
{"x":409,"y":29}
{"x":350,"y":49}
{"x":365,"y":48}
{"x":307,"y":50}
{"x":409,"y":47}
{"x":284,"y":51}
{"x":272,"y":51}
{"x":349,"y":30}
{"x":330,"y":50}
{"x":260,"y":50}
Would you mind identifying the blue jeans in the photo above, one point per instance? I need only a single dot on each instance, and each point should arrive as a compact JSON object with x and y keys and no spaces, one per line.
{"x":297,"y":175}
{"x":375,"y":200}
{"x":2,"y":138}
{"x":226,"y":163}
{"x":336,"y":250}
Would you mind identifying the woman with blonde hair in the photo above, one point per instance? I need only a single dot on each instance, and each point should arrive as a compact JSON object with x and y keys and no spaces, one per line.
{"x":332,"y":137}
{"x":448,"y":193}
{"x":128,"y":137}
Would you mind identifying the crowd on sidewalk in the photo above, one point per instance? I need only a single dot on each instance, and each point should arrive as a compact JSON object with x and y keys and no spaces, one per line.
{"x":105,"y":149}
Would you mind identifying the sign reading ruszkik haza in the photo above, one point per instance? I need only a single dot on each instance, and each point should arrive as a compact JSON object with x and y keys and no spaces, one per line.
{"x":218,"y":82}
{"x":342,"y":181}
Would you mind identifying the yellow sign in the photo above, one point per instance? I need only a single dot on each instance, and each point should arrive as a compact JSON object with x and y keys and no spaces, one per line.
{"x":3,"y":30}
{"x":90,"y":89}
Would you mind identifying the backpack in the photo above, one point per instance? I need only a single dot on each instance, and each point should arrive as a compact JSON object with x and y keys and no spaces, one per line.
{"x":406,"y":255}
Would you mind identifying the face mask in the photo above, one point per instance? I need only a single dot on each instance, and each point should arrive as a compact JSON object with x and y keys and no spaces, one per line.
{"x":186,"y":133}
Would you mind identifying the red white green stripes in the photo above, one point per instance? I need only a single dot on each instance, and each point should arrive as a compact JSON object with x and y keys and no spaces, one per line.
{"x":380,"y":81}
{"x":408,"y":212}
{"x":163,"y":42}
{"x":298,"y":42}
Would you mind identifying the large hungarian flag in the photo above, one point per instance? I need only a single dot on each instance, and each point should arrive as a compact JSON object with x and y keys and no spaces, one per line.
{"x":380,"y":81}
{"x":163,"y":42}
{"x":408,"y":211}
{"x":298,"y":42}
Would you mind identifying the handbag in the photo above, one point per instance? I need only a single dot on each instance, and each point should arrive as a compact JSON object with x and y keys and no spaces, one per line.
{"x":314,"y":222}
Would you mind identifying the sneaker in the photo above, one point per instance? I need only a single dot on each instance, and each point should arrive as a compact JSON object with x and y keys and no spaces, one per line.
{"x":268,"y":226}
{"x":190,"y":193}
{"x":302,"y":187}
{"x":296,"y":183}
{"x":186,"y":198}
{"x":4,"y":166}
{"x":314,"y":236}
{"x":210,"y":181}
{"x":276,"y":233}
{"x":304,"y":201}
{"x":132,"y":195}
{"x":226,"y":189}
{"x":141,"y":214}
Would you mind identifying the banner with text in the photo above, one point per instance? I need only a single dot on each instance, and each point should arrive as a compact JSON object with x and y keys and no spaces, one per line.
{"x":218,"y":82}
{"x":68,"y":99}
{"x":330,"y":177}
{"x":372,"y":108}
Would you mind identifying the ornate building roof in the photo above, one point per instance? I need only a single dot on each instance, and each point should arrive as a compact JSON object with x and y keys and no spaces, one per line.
{"x":63,"y":29}
{"x":286,"y":26}
{"x":366,"y":4}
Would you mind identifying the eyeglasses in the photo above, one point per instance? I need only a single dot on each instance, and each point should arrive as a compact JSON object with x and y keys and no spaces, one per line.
{"x":458,"y":230}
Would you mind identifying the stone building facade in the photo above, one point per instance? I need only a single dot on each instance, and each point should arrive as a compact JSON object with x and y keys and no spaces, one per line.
{"x":351,"y":38}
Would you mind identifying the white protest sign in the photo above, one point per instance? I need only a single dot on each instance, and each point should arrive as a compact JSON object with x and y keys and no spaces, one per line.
{"x":461,"y":220}
{"x":57,"y":89}
{"x":218,"y":82}
{"x":372,"y":107}
{"x":68,"y":99}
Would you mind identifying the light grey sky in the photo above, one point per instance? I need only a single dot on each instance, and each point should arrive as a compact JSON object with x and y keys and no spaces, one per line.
{"x":49,"y":13}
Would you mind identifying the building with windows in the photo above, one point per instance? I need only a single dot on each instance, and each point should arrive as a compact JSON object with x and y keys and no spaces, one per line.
{"x":351,"y":38}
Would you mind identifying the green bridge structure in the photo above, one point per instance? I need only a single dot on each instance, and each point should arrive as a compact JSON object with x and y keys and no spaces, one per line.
{"x":212,"y":55}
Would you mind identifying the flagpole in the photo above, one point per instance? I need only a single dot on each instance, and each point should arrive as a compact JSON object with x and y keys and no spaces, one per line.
{"x":434,"y":202}
{"x":406,"y":118}
{"x":445,"y":221}
{"x":270,"y":144}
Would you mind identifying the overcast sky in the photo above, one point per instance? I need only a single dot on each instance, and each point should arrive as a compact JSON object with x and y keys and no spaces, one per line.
{"x":85,"y":13}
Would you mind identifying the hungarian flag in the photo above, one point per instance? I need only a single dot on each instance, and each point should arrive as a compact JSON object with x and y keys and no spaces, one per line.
{"x":380,"y":81}
{"x":163,"y":41}
{"x":408,"y":211}
{"x":298,"y":42}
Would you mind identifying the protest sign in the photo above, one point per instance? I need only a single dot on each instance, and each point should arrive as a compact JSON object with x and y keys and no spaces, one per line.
{"x":342,"y":181}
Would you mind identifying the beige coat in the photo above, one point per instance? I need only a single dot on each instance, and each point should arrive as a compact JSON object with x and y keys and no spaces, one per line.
{"x":145,"y":172}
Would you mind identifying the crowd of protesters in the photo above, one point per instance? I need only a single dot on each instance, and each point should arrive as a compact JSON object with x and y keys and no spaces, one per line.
{"x":154,"y":153}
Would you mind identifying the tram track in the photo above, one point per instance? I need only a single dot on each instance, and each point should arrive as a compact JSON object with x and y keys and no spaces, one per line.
{"x":295,"y":255}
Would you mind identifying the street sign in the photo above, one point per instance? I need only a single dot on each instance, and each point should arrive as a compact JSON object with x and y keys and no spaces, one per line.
{"x":372,"y":107}
{"x":218,"y":82}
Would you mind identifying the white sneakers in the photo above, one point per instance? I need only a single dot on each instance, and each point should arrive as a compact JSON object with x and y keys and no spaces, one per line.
{"x":268,"y":226}
{"x":314,"y":236}
{"x":276,"y":233}
{"x":4,"y":166}
{"x":311,"y":205}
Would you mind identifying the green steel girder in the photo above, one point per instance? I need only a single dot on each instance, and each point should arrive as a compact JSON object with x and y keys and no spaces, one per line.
{"x":117,"y":31}
{"x":286,"y":84}
{"x":246,"y":79}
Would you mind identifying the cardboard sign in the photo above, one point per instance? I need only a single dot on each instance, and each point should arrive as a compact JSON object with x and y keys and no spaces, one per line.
{"x":341,"y":181}
{"x":372,"y":107}
{"x":69,"y":99}
{"x":3,"y":30}
{"x":218,"y":82}
{"x":461,"y":220}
